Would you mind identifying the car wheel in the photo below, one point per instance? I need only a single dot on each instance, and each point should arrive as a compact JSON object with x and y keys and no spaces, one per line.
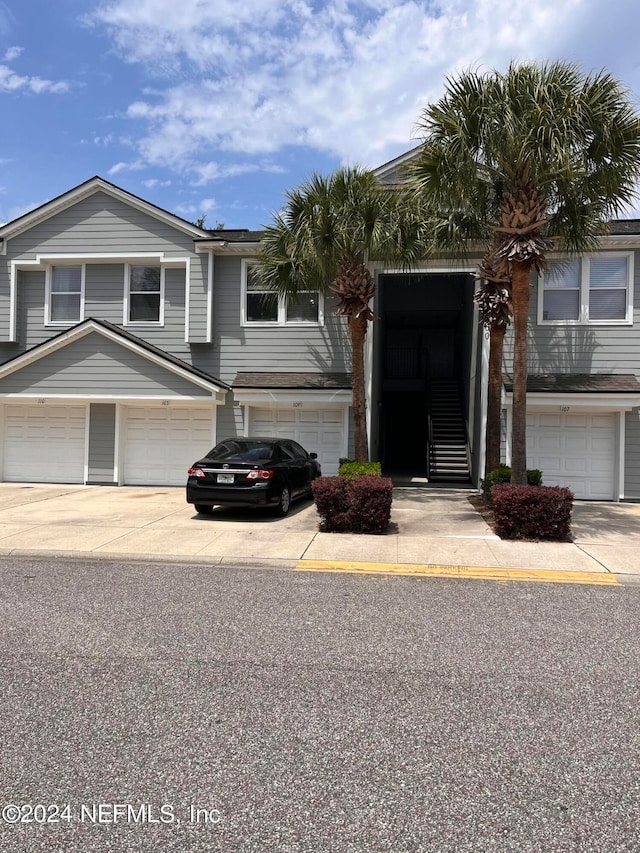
{"x":203,"y":509}
{"x":284,"y":501}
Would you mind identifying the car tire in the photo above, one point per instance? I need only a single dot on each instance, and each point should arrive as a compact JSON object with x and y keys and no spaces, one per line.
{"x":203,"y":509}
{"x":284,"y":502}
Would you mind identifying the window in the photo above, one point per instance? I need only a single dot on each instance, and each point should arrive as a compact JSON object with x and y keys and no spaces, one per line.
{"x":65,"y":286}
{"x":145,"y":285}
{"x":304,"y":309}
{"x":264,"y":306}
{"x":592,"y":289}
{"x":261,"y":304}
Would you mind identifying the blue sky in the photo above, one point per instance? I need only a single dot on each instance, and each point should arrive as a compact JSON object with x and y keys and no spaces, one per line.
{"x":217,"y":107}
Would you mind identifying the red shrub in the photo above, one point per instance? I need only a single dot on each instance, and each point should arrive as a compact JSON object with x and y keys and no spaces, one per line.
{"x":532,"y":512}
{"x":332,"y":503}
{"x":370,"y":499}
{"x":362,"y":505}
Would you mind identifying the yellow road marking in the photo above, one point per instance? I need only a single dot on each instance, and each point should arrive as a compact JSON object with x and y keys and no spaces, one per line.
{"x":474,"y":572}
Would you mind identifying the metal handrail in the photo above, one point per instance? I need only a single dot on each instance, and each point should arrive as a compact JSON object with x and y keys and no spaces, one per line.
{"x":427,"y":388}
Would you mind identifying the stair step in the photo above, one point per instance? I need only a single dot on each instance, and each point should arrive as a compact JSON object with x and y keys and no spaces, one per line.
{"x":448,"y":455}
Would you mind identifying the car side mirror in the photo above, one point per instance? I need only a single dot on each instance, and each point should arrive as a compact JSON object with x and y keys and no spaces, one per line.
{"x":313,"y":456}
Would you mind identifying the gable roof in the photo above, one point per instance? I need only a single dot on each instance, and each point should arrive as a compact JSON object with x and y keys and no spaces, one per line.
{"x":126,"y":339}
{"x":389,"y":172}
{"x":86,"y":189}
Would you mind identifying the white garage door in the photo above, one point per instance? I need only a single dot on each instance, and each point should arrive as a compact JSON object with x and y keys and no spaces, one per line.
{"x":44,"y":444}
{"x":574,"y":450}
{"x":160,"y":444}
{"x":319,"y":431}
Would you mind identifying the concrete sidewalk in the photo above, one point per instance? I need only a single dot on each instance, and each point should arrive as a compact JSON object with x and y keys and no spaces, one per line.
{"x":430,"y":527}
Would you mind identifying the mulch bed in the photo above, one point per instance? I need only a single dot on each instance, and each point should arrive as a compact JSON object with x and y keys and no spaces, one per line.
{"x":480,"y":505}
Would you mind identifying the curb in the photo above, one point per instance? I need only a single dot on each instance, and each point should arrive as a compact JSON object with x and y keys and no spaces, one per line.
{"x":502,"y":575}
{"x":379,"y":569}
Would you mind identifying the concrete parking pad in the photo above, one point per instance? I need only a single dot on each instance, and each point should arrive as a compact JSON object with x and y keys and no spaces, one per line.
{"x":353,"y":546}
{"x":7,"y":530}
{"x":620,"y":559}
{"x":150,"y":541}
{"x":429,"y":525}
{"x":66,"y":538}
{"x":606,"y":522}
{"x":555,"y":556}
{"x":254,"y":543}
{"x":445,"y":551}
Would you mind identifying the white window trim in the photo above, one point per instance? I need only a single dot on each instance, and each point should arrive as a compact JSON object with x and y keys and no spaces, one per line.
{"x":282,"y":309}
{"x":583,"y":319}
{"x":127,"y":278}
{"x":47,"y":301}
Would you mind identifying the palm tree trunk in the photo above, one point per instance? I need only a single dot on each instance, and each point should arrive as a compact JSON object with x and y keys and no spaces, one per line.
{"x":358,"y":331}
{"x":494,"y":401}
{"x":520,"y":296}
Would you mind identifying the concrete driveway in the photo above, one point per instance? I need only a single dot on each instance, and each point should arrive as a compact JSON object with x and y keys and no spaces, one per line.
{"x":429,"y":527}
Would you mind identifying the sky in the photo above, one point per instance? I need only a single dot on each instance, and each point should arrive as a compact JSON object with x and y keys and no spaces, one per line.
{"x":217,"y":107}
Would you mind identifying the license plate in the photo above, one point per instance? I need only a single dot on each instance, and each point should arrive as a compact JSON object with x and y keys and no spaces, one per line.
{"x":226,"y":478}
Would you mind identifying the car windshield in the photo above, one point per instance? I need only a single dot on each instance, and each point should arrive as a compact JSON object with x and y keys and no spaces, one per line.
{"x":242,"y":451}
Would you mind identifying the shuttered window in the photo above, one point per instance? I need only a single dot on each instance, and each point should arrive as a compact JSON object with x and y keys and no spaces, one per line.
{"x":593,"y":289}
{"x":562,"y":291}
{"x":608,"y":282}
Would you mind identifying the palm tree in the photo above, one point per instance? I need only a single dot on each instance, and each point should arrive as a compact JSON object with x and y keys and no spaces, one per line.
{"x":539,"y":158}
{"x":323,"y":239}
{"x":493,"y":299}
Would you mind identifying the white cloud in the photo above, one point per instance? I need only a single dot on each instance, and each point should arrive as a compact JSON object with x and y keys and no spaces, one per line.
{"x":12,"y":82}
{"x":347,"y":77}
{"x":197,"y":209}
{"x":155,"y":182}
{"x":208,"y":172}
{"x":133,"y":166}
{"x":12,"y":53}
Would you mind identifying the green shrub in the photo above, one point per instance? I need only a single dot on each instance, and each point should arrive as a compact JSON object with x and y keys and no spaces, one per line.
{"x":532,"y":512}
{"x":361,"y":505}
{"x":350,"y":470}
{"x":534,"y":477}
{"x":502,"y":474}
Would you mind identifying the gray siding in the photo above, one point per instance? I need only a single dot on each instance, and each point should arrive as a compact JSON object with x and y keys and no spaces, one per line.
{"x":282,"y":348}
{"x":632,"y":455}
{"x":96,"y":365}
{"x":198,"y":305}
{"x":104,"y":300}
{"x":5,"y":292}
{"x":229,"y":419}
{"x":102,"y":434}
{"x":581,"y":349}
{"x":103,"y":224}
{"x":100,"y":223}
{"x":351,"y":443}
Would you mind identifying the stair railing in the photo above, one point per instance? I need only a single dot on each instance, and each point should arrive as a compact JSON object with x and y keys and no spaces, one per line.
{"x":427,"y":388}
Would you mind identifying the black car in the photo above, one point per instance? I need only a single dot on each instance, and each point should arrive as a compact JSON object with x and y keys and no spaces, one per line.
{"x":252,"y":472}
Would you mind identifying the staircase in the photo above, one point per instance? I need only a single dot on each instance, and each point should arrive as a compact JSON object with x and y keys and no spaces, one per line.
{"x":448,"y":454}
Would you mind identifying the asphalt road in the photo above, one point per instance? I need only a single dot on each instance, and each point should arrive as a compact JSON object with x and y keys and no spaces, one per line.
{"x":186,"y":708}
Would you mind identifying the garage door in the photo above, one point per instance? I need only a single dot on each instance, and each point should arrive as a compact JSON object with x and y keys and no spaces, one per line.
{"x":574,"y":450}
{"x":319,"y":431}
{"x":44,"y":444}
{"x":160,"y":444}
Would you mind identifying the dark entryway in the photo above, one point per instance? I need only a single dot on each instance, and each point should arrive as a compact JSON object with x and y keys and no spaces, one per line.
{"x":424,"y":369}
